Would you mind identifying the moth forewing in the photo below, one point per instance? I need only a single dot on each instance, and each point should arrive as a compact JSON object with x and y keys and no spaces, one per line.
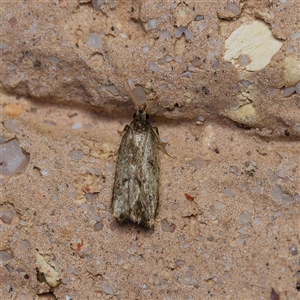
{"x":136,"y":188}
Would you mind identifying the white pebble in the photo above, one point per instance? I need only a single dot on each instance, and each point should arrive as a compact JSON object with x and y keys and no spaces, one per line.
{"x":202,"y":26}
{"x":286,"y":199}
{"x":12,"y":158}
{"x":178,"y":58}
{"x":281,"y":173}
{"x":76,"y":125}
{"x":296,"y":35}
{"x":44,"y":172}
{"x":165,"y":225}
{"x":245,"y":83}
{"x":232,"y":8}
{"x":276,"y":193}
{"x":234,"y":169}
{"x":186,"y":75}
{"x":218,"y":205}
{"x":153,"y":66}
{"x":140,"y":95}
{"x":145,"y":50}
{"x":97,"y":4}
{"x":229,"y":192}
{"x":12,"y":125}
{"x":106,"y":288}
{"x":288,"y":91}
{"x":94,"y":41}
{"x":164,"y":35}
{"x":5,"y":257}
{"x":293,"y":249}
{"x":76,"y":155}
{"x":199,"y":18}
{"x":3,"y":46}
{"x":6,"y":216}
{"x":244,"y":217}
{"x":179,"y":31}
{"x":24,"y":245}
{"x":198,"y":162}
{"x":188,"y":34}
{"x":256,"y":221}
{"x":243,"y":60}
{"x":297,"y":88}
{"x":152,"y":23}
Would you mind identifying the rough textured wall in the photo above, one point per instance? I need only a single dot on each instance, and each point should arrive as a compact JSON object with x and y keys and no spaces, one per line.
{"x":223,"y":82}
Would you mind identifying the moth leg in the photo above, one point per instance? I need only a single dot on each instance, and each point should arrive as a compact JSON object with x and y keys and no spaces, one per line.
{"x":160,"y":142}
{"x":125,"y":129}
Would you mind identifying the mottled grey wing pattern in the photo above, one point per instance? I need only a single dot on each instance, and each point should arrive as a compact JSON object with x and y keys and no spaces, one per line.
{"x":136,"y":188}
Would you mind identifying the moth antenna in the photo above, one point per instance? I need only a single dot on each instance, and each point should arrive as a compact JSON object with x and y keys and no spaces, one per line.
{"x":124,"y":77}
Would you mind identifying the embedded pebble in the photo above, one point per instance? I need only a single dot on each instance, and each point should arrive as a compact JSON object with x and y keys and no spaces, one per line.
{"x":110,"y":88}
{"x":245,"y":217}
{"x":58,"y":165}
{"x":24,"y":245}
{"x":179,"y":31}
{"x":6,"y":216}
{"x":256,"y":221}
{"x":12,"y":159}
{"x":245,"y":83}
{"x":229,"y":192}
{"x":76,"y":125}
{"x":76,"y":155}
{"x":178,"y":58}
{"x":152,"y":23}
{"x":3,"y":46}
{"x":276,"y":193}
{"x":140,"y":95}
{"x":186,"y":74}
{"x":89,"y":196}
{"x":188,"y":34}
{"x":145,"y":50}
{"x":286,"y":199}
{"x":164,"y":35}
{"x":97,"y":4}
{"x":219,"y":205}
{"x":94,"y":41}
{"x":196,"y":62}
{"x":198,"y":162}
{"x":98,"y":226}
{"x":233,"y":169}
{"x":297,"y":88}
{"x":293,"y":249}
{"x":243,"y":60}
{"x":165,"y":225}
{"x":106,"y":288}
{"x":12,"y":125}
{"x":202,"y":26}
{"x":44,"y":172}
{"x":5,"y":257}
{"x":232,"y":8}
{"x":288,"y":91}
{"x":153,"y":66}
{"x":199,"y":18}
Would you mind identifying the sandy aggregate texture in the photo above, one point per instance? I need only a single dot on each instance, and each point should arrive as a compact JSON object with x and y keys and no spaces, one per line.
{"x":223,"y":82}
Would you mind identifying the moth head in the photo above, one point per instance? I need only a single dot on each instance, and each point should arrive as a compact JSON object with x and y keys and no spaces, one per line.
{"x":141,"y":114}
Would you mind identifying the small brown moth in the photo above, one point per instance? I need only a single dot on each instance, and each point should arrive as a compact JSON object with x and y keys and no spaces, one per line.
{"x":136,"y":188}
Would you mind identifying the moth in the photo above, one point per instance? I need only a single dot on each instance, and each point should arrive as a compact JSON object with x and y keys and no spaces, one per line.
{"x":136,"y":189}
{"x":135,"y":196}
